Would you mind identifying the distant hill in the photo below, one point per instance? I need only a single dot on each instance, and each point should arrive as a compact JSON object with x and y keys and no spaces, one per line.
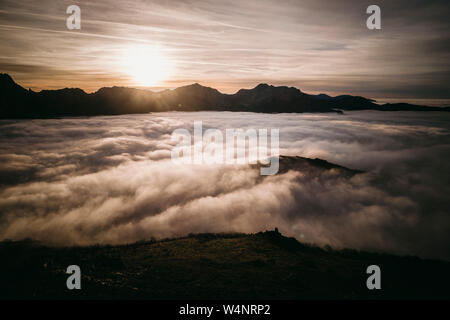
{"x":313,"y":166}
{"x":265,"y":265}
{"x":17,"y":102}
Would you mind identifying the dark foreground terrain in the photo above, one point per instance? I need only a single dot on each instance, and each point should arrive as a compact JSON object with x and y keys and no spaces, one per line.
{"x":214,"y":266}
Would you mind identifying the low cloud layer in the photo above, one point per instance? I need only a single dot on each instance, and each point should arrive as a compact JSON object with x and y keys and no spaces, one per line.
{"x":111,"y":180}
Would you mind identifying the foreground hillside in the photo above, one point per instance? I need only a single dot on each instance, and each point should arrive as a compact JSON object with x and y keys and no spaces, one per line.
{"x":213,"y":266}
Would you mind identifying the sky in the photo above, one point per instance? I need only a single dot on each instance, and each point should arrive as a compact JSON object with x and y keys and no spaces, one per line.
{"x":316,"y":46}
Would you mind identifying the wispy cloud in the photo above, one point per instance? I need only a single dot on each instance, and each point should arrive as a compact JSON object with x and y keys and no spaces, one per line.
{"x":315,"y":45}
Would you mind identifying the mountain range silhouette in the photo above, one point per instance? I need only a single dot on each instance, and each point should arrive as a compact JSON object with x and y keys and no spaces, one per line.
{"x":17,"y":102}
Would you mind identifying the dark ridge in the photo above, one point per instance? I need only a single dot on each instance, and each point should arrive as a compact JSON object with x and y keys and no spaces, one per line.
{"x":265,"y":265}
{"x":323,"y":96}
{"x":17,"y":102}
{"x":313,"y":166}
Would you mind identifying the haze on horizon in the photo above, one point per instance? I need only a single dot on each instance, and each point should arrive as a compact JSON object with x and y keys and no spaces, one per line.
{"x":317,"y":46}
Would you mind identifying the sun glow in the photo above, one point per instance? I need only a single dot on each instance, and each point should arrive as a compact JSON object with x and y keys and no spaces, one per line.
{"x":148,"y":66}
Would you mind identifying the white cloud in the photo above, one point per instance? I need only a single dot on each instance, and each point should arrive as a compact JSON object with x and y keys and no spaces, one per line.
{"x":110,"y":180}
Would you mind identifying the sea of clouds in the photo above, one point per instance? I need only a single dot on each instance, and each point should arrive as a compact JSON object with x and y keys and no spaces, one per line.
{"x":81,"y":181}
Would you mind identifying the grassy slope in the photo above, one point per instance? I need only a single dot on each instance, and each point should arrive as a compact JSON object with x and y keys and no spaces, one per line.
{"x":210,"y":266}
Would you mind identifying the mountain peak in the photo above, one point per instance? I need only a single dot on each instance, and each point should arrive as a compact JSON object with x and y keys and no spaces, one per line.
{"x":196,"y":87}
{"x":16,"y":102}
{"x":8,"y":85}
{"x":5,"y":78}
{"x":263,"y":86}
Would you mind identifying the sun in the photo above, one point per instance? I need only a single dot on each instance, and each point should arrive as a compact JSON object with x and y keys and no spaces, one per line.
{"x":148,"y":66}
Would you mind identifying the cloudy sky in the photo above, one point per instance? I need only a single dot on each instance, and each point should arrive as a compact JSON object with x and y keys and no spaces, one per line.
{"x":317,"y":46}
